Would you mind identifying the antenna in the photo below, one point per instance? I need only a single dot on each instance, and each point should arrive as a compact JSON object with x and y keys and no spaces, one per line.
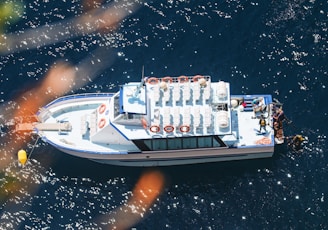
{"x":141,"y":82}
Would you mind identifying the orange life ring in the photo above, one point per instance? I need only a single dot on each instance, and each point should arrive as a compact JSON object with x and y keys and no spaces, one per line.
{"x":169,"y":128}
{"x":154,"y":128}
{"x":184,"y":128}
{"x":152,"y":81}
{"x":102,"y":123}
{"x":167,"y":79}
{"x":144,"y":123}
{"x":197,"y":77}
{"x":183,"y":79}
{"x":102,"y":108}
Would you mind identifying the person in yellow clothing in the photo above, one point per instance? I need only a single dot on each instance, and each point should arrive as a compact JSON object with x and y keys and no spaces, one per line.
{"x":262,"y":123}
{"x":296,"y":142}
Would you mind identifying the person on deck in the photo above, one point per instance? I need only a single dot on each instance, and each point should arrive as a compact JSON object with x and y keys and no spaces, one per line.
{"x":262,"y":123}
{"x":279,"y":116}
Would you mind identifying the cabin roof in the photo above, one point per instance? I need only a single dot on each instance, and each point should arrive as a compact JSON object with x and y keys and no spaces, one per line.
{"x":133,"y":98}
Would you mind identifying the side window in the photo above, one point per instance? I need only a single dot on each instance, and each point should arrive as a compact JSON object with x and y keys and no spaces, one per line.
{"x":159,"y":144}
{"x":179,"y":143}
{"x":174,"y":143}
{"x":216,"y":143}
{"x":189,"y":143}
{"x":148,"y":144}
{"x":205,"y":142}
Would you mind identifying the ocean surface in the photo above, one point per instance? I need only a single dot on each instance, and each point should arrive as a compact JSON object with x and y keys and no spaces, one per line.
{"x":270,"y":47}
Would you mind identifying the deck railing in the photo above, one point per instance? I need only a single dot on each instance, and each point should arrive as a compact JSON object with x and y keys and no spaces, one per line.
{"x":76,"y":96}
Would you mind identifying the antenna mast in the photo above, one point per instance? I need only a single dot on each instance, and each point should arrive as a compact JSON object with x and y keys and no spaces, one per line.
{"x":141,"y":82}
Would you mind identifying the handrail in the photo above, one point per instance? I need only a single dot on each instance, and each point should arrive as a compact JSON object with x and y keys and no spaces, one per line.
{"x":74,"y":96}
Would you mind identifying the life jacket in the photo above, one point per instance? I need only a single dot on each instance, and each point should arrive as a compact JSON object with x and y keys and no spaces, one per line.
{"x":262,"y":122}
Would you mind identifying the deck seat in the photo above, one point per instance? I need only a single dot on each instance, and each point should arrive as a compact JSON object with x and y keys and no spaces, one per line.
{"x":221,"y":90}
{"x":84,"y":125}
{"x":166,"y":116}
{"x":186,"y":116}
{"x":156,"y":118}
{"x":196,"y":91}
{"x":208,"y":116}
{"x":93,"y":124}
{"x":222,"y":119}
{"x":176,"y":92}
{"x":207,"y":90}
{"x":156,"y":93}
{"x":176,"y":116}
{"x":167,"y":95}
{"x":186,"y":91}
{"x":196,"y":116}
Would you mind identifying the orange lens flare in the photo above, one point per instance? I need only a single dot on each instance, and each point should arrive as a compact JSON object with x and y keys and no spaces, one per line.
{"x":96,"y":18}
{"x":147,"y":189}
{"x":57,"y":82}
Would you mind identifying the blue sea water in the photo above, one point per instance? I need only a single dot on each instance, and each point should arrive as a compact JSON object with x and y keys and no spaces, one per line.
{"x":275,"y":47}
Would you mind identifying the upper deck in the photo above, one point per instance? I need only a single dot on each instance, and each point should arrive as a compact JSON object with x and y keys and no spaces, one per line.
{"x":190,"y":106}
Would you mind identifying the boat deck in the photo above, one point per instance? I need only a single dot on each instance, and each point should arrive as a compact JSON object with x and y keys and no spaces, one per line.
{"x":246,"y":128}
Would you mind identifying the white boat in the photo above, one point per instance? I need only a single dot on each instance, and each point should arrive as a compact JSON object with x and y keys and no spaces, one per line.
{"x":160,"y":122}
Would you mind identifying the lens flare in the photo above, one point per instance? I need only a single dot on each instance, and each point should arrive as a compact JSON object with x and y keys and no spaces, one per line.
{"x":102,"y":19}
{"x":145,"y":193}
{"x":147,"y":189}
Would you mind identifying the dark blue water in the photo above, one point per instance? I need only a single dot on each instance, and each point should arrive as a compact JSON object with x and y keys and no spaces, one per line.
{"x":274,"y":47}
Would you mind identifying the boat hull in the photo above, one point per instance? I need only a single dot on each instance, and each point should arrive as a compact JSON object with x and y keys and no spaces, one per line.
{"x":129,"y":128}
{"x":178,"y":157}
